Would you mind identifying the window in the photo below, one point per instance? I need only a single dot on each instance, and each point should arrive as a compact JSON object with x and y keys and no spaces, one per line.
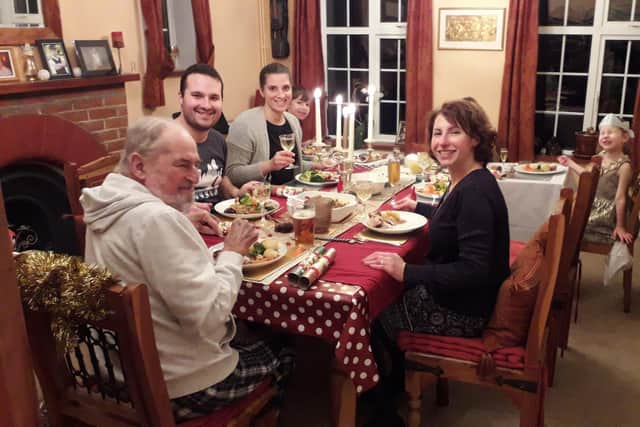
{"x":20,"y":13}
{"x":179,"y":32}
{"x":588,"y":65}
{"x":363,"y":44}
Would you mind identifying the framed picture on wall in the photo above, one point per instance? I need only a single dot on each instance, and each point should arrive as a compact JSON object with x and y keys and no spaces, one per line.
{"x":95,"y":57}
{"x":54,"y":58}
{"x":8,"y":70}
{"x":471,"y":29}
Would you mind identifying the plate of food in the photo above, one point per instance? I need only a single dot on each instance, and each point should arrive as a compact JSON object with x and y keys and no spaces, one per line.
{"x":341,"y":204}
{"x":431,"y":190}
{"x":394,"y":222}
{"x":246,"y":207}
{"x":261,"y":253}
{"x":540,"y":168}
{"x":317,"y":178}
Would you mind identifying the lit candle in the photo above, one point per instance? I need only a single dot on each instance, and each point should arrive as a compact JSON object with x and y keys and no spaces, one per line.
{"x":352,"y":121}
{"x":345,"y":127}
{"x":371,"y":92}
{"x":316,"y":95}
{"x":339,"y":123}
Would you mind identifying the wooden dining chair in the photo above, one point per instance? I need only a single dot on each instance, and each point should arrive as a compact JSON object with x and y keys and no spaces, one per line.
{"x":81,"y":388}
{"x":78,"y":177}
{"x":522,"y":378}
{"x":632,"y":224}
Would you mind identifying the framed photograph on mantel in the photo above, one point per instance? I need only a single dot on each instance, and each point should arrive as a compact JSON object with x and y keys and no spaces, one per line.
{"x":8,"y":71}
{"x":95,"y":57}
{"x":471,"y":29}
{"x":54,"y":58}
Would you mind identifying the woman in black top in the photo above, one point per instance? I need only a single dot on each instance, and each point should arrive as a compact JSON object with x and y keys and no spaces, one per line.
{"x":454,"y":291}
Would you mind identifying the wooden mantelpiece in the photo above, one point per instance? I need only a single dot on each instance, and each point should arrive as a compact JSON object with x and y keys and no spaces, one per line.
{"x":41,"y":87}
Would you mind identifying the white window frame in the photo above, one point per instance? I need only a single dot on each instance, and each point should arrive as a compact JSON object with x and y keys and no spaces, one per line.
{"x":26,"y":20}
{"x":375,"y":32}
{"x":601,"y":31}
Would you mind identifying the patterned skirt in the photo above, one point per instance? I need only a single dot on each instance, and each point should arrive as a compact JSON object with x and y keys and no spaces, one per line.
{"x":257,"y":361}
{"x":417,"y":311}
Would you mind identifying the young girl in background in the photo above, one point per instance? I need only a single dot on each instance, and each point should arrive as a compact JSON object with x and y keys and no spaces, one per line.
{"x":300,"y":103}
{"x":607,"y":218}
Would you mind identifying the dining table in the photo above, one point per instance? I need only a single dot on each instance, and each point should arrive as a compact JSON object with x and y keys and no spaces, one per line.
{"x":340,"y":307}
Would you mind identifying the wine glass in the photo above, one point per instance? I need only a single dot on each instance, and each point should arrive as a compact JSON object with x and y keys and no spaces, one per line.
{"x":288,"y":141}
{"x":424,"y":161}
{"x":504,"y":155}
{"x":363,"y":190}
{"x":262,"y":192}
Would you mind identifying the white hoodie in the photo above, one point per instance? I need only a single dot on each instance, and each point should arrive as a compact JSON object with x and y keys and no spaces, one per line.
{"x":140,"y":239}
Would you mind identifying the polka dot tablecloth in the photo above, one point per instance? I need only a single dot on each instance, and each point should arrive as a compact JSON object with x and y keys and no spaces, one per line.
{"x":334,"y":312}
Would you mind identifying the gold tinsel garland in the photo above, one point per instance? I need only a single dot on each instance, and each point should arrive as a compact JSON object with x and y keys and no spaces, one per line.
{"x":66,"y":287}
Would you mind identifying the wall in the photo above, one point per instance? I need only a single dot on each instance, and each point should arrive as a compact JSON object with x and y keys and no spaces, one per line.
{"x":458,"y":73}
{"x":240,"y":34}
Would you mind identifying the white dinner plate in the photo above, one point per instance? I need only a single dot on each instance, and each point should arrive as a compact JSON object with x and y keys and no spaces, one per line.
{"x":412,"y":221}
{"x":316,"y":184}
{"x":220,"y":207}
{"x":282,"y":251}
{"x":559,"y":169}
{"x":430,"y":197}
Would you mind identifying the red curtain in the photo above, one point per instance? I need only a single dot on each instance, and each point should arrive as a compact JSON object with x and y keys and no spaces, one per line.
{"x":419,"y":79}
{"x":308,"y":66}
{"x":204,"y":32}
{"x":635,"y":152}
{"x":516,"y":125}
{"x":159,"y":63}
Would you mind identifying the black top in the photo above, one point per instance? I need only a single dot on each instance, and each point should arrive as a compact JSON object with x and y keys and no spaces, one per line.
{"x":213,"y":160}
{"x":468,"y":257}
{"x":281,"y":176}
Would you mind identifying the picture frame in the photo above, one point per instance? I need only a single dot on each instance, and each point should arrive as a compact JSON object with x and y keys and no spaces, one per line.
{"x":54,"y":58}
{"x":95,"y":58}
{"x":401,"y":135}
{"x":471,"y":29}
{"x":8,"y":71}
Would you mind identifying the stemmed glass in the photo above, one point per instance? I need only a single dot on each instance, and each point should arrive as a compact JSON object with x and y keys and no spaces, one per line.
{"x":504,"y":155}
{"x":262,"y":192}
{"x":363,"y":190}
{"x":288,"y":141}
{"x":424,"y":161}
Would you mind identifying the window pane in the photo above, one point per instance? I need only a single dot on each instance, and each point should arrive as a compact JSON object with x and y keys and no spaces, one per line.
{"x":551,"y":12}
{"x":388,"y":53}
{"x":337,"y":51}
{"x":358,"y":13}
{"x":359,"y":51}
{"x":544,"y":128}
{"x":388,"y":81}
{"x":403,"y":80}
{"x":403,"y":11}
{"x":336,"y":13}
{"x":33,"y":6}
{"x":331,"y":119}
{"x":620,"y":10}
{"x":388,"y":118}
{"x":389,"y":10}
{"x":610,"y":95}
{"x":359,"y":81}
{"x":402,"y":113}
{"x":576,"y":54}
{"x":546,"y":92}
{"x":403,"y":63}
{"x":549,"y":48}
{"x":573,"y":94}
{"x":581,"y":12}
{"x":630,"y":96}
{"x":20,"y":6}
{"x":634,"y":59}
{"x":615,"y":54}
{"x":337,"y":83}
{"x":567,"y":126}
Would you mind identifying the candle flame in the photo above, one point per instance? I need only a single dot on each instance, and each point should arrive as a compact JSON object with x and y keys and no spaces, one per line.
{"x":339,"y":99}
{"x":317,"y":92}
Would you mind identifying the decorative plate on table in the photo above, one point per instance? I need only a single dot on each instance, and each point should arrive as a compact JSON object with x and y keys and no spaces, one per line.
{"x":395,"y":222}
{"x":540,"y":168}
{"x":249,"y":262}
{"x":317,"y":178}
{"x":234,"y":209}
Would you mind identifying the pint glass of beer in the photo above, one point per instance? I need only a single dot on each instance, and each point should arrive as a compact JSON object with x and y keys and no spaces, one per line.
{"x":303,"y":216}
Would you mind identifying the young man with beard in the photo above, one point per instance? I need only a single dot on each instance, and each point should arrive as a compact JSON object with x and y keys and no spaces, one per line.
{"x":201,"y":92}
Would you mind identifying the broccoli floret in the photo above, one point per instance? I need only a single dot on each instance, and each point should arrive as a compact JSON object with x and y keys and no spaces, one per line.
{"x":256,"y":249}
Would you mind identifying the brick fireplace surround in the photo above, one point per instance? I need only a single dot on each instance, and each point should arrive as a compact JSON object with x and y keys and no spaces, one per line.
{"x":43,"y":125}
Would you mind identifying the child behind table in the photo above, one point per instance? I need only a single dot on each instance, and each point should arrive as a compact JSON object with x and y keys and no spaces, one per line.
{"x":607,"y":218}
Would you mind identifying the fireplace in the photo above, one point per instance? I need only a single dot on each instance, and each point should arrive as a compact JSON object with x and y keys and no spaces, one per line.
{"x":76,"y":120}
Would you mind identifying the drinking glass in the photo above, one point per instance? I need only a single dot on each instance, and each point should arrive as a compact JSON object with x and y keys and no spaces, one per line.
{"x":363,"y":190}
{"x":288,"y":141}
{"x":303,"y":216}
{"x":262,"y":193}
{"x":424,"y":161}
{"x":504,"y":155}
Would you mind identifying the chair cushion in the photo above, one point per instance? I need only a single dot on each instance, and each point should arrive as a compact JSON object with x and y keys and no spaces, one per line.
{"x":223,"y":416}
{"x":470,"y":349}
{"x":509,"y":323}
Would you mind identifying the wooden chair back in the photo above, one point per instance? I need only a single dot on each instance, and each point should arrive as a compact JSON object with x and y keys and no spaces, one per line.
{"x":78,"y":177}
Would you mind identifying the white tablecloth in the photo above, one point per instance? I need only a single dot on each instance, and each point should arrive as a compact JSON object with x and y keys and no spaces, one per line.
{"x":530,"y":200}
